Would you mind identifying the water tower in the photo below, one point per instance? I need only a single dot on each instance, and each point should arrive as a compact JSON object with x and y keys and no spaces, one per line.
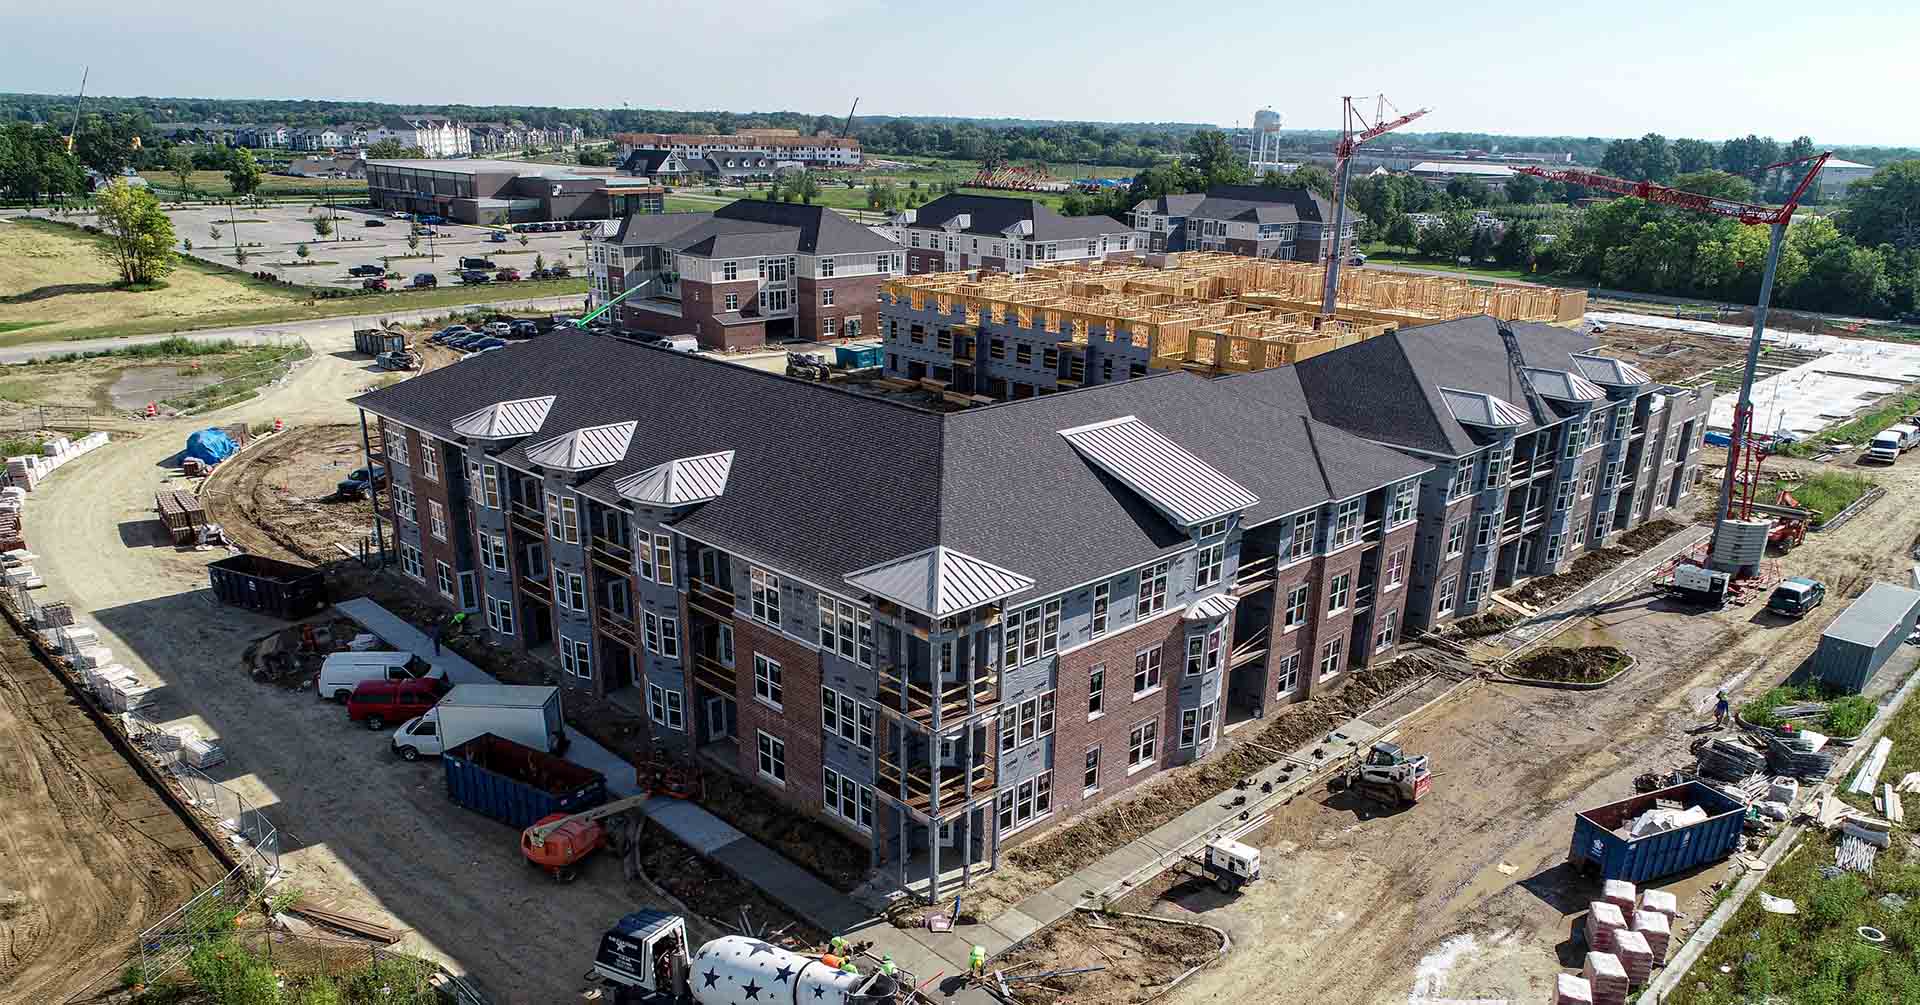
{"x":1264,"y":151}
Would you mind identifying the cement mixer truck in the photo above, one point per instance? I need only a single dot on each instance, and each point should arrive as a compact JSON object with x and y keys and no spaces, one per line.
{"x":644,"y":959}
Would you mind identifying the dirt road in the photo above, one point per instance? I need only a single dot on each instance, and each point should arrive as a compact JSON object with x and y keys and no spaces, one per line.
{"x":362,"y":832}
{"x":90,"y":855}
{"x":1467,"y":895}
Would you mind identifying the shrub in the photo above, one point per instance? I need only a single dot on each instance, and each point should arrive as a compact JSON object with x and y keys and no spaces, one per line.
{"x":1836,"y":901}
{"x":1848,"y":716}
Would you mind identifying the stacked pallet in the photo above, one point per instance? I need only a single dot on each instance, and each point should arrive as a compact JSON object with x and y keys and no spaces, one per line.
{"x":1619,"y":893}
{"x":13,"y":537}
{"x":1571,"y":990}
{"x":26,"y":471}
{"x":1657,"y":929}
{"x":195,"y":749}
{"x":1728,"y":761}
{"x":1801,"y":755}
{"x":1608,"y":978}
{"x":1635,"y":955}
{"x":1603,"y":921}
{"x":13,"y":499}
{"x":57,"y":615}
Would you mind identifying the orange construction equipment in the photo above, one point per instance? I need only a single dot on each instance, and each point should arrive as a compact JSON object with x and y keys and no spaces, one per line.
{"x":559,"y":842}
{"x":664,"y":776}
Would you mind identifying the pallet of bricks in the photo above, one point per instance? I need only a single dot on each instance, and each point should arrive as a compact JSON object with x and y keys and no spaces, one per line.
{"x":1627,"y":937}
{"x":181,"y":514}
{"x":26,"y":470}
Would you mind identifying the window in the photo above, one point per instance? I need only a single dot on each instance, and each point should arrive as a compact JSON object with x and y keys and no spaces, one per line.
{"x":1553,"y":549}
{"x":1396,"y":568}
{"x":446,"y":579}
{"x":1207,"y":571}
{"x":410,"y":561}
{"x":1402,"y":505}
{"x":1620,"y":414}
{"x":1474,"y":584}
{"x":1444,"y":604}
{"x":1096,"y":689}
{"x":664,"y":707}
{"x":1022,"y":804}
{"x":1297,"y":606}
{"x":1102,"y":594}
{"x":731,"y":301}
{"x":493,"y":552}
{"x":1146,"y":671}
{"x":405,"y":455}
{"x":1346,"y":523}
{"x":570,"y":590}
{"x":1196,"y":655}
{"x":1305,"y":526}
{"x":826,"y":265}
{"x":826,"y":298}
{"x":729,"y":271}
{"x":829,"y":327}
{"x":1587,"y":479}
{"x":1389,"y":626}
{"x":1029,"y":633}
{"x":500,"y":615}
{"x":1153,"y":589}
{"x":1576,"y":438}
{"x":1338,"y":590}
{"x":846,"y":798}
{"x":576,"y":657}
{"x":846,"y":630}
{"x":403,"y":505}
{"x":1612,"y":478}
{"x":429,"y":459}
{"x":842,"y":715}
{"x":773,"y":758}
{"x":437,"y":519}
{"x":1140,"y":744}
{"x":723,"y":643}
{"x":1213,"y":529}
{"x":1189,"y":726}
{"x":1023,"y":353}
{"x":1462,"y":480}
{"x":663,"y":559}
{"x":643,"y":548}
{"x":1330,"y":654}
{"x":1090,"y":780}
{"x":1050,"y":628}
{"x":1009,"y":731}
{"x":851,"y":327}
{"x":1496,"y":468}
{"x":1564,"y":498}
{"x":766,"y":597}
{"x":997,"y":348}
{"x":490,"y":486}
{"x":1484,"y":536}
{"x":766,"y":680}
{"x":1287,"y":675}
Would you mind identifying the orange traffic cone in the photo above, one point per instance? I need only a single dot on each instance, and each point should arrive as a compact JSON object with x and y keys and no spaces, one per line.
{"x":152,"y":410}
{"x":278,"y":425}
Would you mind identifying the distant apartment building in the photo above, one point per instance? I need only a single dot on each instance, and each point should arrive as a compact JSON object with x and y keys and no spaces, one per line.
{"x":772,"y":145}
{"x":268,"y":137}
{"x":324,"y":138}
{"x":941,"y":634}
{"x":746,"y":274}
{"x":438,"y":137}
{"x":1285,"y":223}
{"x":955,"y":233}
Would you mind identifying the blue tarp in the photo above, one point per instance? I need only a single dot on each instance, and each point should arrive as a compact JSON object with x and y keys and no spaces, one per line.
{"x":211,"y":446}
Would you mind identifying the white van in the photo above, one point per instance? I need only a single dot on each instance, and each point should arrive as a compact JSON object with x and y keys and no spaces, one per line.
{"x":1891,"y":443}
{"x":341,"y":671}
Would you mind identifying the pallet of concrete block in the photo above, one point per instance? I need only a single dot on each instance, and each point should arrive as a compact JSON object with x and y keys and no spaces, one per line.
{"x":1802,"y":754}
{"x":127,"y":694}
{"x":1604,"y":921}
{"x":1657,"y":929}
{"x":1631,"y":948}
{"x":71,"y":639}
{"x":196,"y":750}
{"x":25,"y":471}
{"x":13,"y":499}
{"x":23,"y":576}
{"x":181,"y":514}
{"x":13,"y":536}
{"x":1729,"y":761}
{"x":55,"y":615}
{"x":1607,"y":976}
{"x":98,"y":679}
{"x":92,"y":656}
{"x":1570,"y":989}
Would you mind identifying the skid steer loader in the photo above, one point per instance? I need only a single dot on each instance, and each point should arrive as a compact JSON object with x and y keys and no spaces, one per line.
{"x":1386,"y":774}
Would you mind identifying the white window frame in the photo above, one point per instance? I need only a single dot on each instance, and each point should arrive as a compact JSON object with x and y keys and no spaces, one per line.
{"x":1153,"y":590}
{"x":1096,"y":691}
{"x":1147,"y":672}
{"x":1396,"y":569}
{"x":844,"y":715}
{"x":1339,"y":591}
{"x":1346,"y":523}
{"x":500,"y":615}
{"x":411,"y":562}
{"x":1299,"y":601}
{"x":1332,"y":652}
{"x":493,"y":552}
{"x":769,"y":687}
{"x":405,"y":504}
{"x":1143,"y":742}
{"x":1388,"y":632}
{"x":1402,"y":510}
{"x":1102,"y":604}
{"x":1446,"y":598}
{"x":1287,"y":675}
{"x":772,"y":761}
{"x":1476,"y":582}
{"x":1090,"y":772}
{"x":1486,"y":533}
{"x":665,"y":707}
{"x":663,"y":558}
{"x":490,"y":486}
{"x":429,"y":460}
{"x":444,"y":573}
{"x":765,"y":589}
{"x":1207,"y":564}
{"x":576,"y":657}
{"x":437,"y":519}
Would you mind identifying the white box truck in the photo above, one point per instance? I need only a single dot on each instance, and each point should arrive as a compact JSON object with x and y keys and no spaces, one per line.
{"x":529,"y":716}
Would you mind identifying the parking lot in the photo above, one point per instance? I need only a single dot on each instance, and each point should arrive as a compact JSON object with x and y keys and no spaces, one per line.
{"x":272,"y":235}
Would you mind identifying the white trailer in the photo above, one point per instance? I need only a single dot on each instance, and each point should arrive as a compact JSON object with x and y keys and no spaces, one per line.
{"x":529,"y":716}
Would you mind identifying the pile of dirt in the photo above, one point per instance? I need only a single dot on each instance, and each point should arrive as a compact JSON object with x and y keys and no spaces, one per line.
{"x":718,"y":895}
{"x":278,"y":498}
{"x":1545,"y":591}
{"x":1140,"y":956}
{"x":283,"y":658}
{"x":1493,"y":622}
{"x":806,"y":842}
{"x":1584,"y":665}
{"x":1058,"y":855}
{"x":1648,"y":534}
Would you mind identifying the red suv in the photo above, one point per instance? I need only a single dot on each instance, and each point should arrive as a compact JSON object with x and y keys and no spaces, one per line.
{"x":379,"y":702}
{"x":507,"y":275}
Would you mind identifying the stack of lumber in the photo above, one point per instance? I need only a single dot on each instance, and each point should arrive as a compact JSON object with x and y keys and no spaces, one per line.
{"x":1619,"y":893}
{"x":1657,"y":929}
{"x":1729,"y":761}
{"x":1571,"y":990}
{"x":1890,"y":804}
{"x":1801,"y":755}
{"x":347,"y":922}
{"x":1869,"y":774}
{"x":1635,"y":955}
{"x":1608,"y":978}
{"x":1854,"y":854}
{"x":1661,"y":902}
{"x":1603,"y":920}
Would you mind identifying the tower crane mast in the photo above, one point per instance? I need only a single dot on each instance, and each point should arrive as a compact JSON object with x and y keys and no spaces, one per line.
{"x":1350,"y":139}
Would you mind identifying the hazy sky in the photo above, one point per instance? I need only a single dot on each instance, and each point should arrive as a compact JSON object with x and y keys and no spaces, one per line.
{"x":1843,"y":74}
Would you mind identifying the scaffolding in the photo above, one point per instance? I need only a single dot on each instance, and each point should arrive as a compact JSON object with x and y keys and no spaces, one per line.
{"x":1219,"y":313}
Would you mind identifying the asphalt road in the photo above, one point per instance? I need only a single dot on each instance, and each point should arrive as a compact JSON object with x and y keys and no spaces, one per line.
{"x":314,"y":331}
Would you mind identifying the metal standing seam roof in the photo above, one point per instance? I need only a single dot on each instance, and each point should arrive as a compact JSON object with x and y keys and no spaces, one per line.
{"x":680,"y":482}
{"x":1187,"y":489}
{"x":1880,"y":610}
{"x":1564,"y":385}
{"x":1482,"y":409}
{"x":939,"y":581}
{"x":1208,"y":608}
{"x":584,"y":449}
{"x":505,"y":420}
{"x":1611,"y":372}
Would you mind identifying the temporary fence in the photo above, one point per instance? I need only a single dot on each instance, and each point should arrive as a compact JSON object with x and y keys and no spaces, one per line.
{"x":253,"y":836}
{"x":65,"y":418}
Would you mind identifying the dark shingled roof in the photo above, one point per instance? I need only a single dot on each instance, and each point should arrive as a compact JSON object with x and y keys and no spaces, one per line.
{"x":993,"y":215}
{"x":645,"y":161}
{"x":812,"y":493}
{"x":1173,"y":204}
{"x":751,"y":227}
{"x":1262,"y":204}
{"x":822,"y":231}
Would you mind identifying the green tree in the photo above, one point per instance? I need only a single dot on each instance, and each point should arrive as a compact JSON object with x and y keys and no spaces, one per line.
{"x":1471,"y":191}
{"x":523,"y":240}
{"x":180,"y":165}
{"x":1885,"y":207}
{"x":303,"y":251}
{"x":413,"y":242}
{"x":390,"y":149}
{"x":1311,"y":177}
{"x":213,"y":231}
{"x":1401,"y":233}
{"x":1693,"y":155}
{"x":1523,"y":189}
{"x":1213,"y":157}
{"x":322,"y":226}
{"x":593,"y":157}
{"x":244,"y":175}
{"x":539,"y":261}
{"x":1518,"y":245}
{"x":1716,"y":185}
{"x":139,"y":237}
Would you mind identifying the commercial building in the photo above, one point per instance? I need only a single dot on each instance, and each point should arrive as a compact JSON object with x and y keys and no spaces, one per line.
{"x":438,"y":137}
{"x":750,"y":272}
{"x":941,"y":633}
{"x":499,"y":192}
{"x":1291,"y":224}
{"x":1839,"y":175}
{"x":1002,"y":234}
{"x":771,"y":145}
{"x":1439,"y":173}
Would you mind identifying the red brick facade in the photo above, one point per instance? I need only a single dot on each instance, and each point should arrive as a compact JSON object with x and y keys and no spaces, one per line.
{"x":926,"y":260}
{"x":853,"y":297}
{"x":701,"y":302}
{"x":1119,"y":713}
{"x":796,"y":722}
{"x":405,"y":452}
{"x":1320,"y":626}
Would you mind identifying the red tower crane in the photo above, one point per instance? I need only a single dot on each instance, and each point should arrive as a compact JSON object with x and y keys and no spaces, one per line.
{"x":1356,"y":130}
{"x":1740,"y":448}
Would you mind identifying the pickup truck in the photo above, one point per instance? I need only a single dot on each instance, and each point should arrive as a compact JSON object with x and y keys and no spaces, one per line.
{"x":366,"y":270}
{"x":356,"y":484}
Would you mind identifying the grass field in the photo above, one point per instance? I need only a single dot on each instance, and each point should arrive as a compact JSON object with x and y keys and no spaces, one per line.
{"x":213,"y":184}
{"x":52,"y":287}
{"x":1828,"y":492}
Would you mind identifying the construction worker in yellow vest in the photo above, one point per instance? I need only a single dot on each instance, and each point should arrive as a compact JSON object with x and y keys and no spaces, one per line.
{"x":886,"y":965}
{"x":837,"y":946}
{"x":849,"y":969}
{"x":977,"y":960}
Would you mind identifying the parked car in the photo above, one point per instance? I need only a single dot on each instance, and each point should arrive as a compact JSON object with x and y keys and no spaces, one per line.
{"x":375,"y":221}
{"x":419,"y":231}
{"x":366,"y":270}
{"x":498,"y":237}
{"x":379,"y":702}
{"x":396,"y":215}
{"x":433,"y":219}
{"x":523,"y":329}
{"x":374,"y":284}
{"x":508,"y":275}
{"x":1357,"y":259}
{"x":498,"y":329}
{"x":1796,"y":596}
{"x":559,"y":272}
{"x":356,"y":484}
{"x":341,"y":672}
{"x":483,"y":344}
{"x":424,"y":280}
{"x":464,"y":339}
{"x":477,"y":262}
{"x":448,"y":332}
{"x":472,"y":276}
{"x":483,"y":352}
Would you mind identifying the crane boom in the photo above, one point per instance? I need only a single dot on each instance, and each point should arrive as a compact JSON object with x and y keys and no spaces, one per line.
{"x":78,"y":102}
{"x":537,"y":834}
{"x":1745,"y":212}
{"x":1342,"y":167}
{"x":847,"y":129}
